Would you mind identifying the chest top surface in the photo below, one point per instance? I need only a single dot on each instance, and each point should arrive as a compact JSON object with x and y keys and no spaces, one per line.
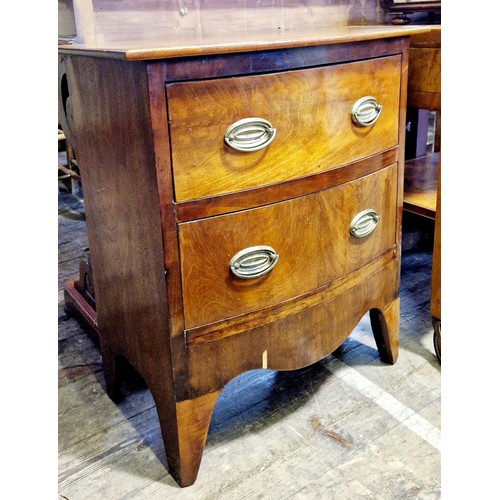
{"x":151,"y":46}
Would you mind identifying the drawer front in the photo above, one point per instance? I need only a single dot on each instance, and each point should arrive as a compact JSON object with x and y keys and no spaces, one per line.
{"x":312,"y":236}
{"x":309,"y":110}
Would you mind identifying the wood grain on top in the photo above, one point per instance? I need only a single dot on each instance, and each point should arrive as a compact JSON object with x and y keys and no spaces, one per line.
{"x":158,"y":44}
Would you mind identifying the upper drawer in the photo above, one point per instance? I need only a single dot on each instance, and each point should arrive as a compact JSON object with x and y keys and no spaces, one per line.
{"x":312,"y":236}
{"x":309,"y":109}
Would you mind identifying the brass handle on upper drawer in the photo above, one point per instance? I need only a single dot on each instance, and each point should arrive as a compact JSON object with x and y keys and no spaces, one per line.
{"x":249,"y":134}
{"x":364,"y":223}
{"x":365,"y":111}
{"x":253,"y":262}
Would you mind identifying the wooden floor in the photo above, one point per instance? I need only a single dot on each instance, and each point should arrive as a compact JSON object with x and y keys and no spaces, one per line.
{"x":348,"y":427}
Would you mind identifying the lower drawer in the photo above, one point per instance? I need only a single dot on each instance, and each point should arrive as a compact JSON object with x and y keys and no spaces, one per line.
{"x":292,"y":334}
{"x":317,"y":239}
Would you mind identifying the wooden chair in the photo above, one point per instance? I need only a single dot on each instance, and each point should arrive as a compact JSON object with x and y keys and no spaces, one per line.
{"x":69,"y":169}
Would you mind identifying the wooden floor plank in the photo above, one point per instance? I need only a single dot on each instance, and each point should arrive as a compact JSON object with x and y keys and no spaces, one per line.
{"x":373,"y":473}
{"x":273,"y":435}
{"x":281,"y":456}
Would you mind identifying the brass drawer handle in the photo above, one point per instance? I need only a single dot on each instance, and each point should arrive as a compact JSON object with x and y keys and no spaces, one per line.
{"x":249,"y":134}
{"x":364,"y":223}
{"x":365,"y":111}
{"x":253,"y":262}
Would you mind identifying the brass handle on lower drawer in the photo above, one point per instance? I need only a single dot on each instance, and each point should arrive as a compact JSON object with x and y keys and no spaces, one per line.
{"x":364,"y":223}
{"x":253,"y":262}
{"x":365,"y":111}
{"x":249,"y":134}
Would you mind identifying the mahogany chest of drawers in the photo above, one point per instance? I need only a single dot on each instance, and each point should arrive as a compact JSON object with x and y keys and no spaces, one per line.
{"x":243,"y":209}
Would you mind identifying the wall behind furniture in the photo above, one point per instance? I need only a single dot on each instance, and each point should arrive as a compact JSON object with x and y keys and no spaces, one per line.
{"x":101,"y":21}
{"x":66,"y":19}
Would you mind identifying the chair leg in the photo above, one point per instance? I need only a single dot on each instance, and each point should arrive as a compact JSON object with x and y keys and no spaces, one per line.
{"x":385,"y":326}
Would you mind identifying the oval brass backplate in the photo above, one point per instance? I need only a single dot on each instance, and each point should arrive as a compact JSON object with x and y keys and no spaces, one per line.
{"x":253,"y":262}
{"x":365,"y":111}
{"x":249,"y":134}
{"x":364,"y":223}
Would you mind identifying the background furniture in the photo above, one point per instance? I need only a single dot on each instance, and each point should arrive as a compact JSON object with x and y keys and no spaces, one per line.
{"x":414,"y":11}
{"x":243,"y":205}
{"x":67,"y":165}
{"x":422,"y":193}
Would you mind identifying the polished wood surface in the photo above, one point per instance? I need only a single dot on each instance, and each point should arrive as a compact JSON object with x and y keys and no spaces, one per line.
{"x":117,"y":158}
{"x":425,"y":70}
{"x":270,"y":432}
{"x":422,"y":187}
{"x":424,"y":79}
{"x":424,"y":92}
{"x":402,"y":135}
{"x":151,"y":45}
{"x":193,"y":418}
{"x":147,"y":267}
{"x":436,"y":261}
{"x":161,"y":144}
{"x":310,"y":234}
{"x":436,"y":277}
{"x":245,"y":322}
{"x":421,"y":179}
{"x":428,"y":39}
{"x":251,"y":198}
{"x":310,"y":110}
{"x":118,"y":171}
{"x":269,"y":60}
{"x":299,"y":333}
